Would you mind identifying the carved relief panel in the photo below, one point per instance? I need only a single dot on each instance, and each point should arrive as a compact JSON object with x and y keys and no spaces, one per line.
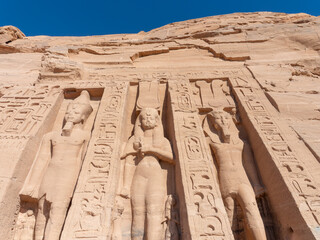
{"x":146,"y":205}
{"x":23,"y":112}
{"x":91,"y":211}
{"x":198,"y":180}
{"x":292,"y":173}
{"x":234,"y":162}
{"x":209,"y":94}
{"x":23,"y":109}
{"x":49,"y":186}
{"x":207,"y":188}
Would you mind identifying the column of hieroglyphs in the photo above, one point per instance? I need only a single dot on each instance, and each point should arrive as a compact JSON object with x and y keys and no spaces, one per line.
{"x":292,"y":190}
{"x":202,"y":211}
{"x":90,"y":214}
{"x":26,"y":114}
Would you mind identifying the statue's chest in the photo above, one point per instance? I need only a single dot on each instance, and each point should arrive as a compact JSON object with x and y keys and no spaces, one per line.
{"x":74,"y":141}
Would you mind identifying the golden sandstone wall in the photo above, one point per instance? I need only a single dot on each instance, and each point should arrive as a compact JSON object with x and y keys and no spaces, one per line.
{"x":206,"y":129}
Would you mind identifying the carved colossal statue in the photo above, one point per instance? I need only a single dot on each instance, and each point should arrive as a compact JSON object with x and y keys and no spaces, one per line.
{"x":55,"y":171}
{"x":145,"y":180}
{"x":230,"y":152}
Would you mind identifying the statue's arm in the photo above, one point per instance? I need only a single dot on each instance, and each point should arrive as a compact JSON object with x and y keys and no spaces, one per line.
{"x":85,"y":145}
{"x":38,"y":167}
{"x":128,"y":150}
{"x":164,"y":153}
{"x":251,"y":170}
{"x":129,"y":169}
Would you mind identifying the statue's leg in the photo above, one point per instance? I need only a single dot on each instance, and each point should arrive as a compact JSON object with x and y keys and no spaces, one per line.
{"x":41,"y":220}
{"x":254,"y":224}
{"x":117,"y":233}
{"x":229,"y":206}
{"x":138,"y":207}
{"x":58,"y":212}
{"x":156,"y":197}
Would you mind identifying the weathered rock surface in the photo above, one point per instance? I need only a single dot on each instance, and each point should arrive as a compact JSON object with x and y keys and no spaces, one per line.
{"x":232,"y":140}
{"x":9,"y":34}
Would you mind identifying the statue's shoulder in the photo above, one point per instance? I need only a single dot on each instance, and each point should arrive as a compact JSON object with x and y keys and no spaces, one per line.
{"x":86,"y":134}
{"x":83,"y":134}
{"x":216,"y":144}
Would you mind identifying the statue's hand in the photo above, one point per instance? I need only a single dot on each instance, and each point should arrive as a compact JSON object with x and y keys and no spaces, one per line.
{"x":125,"y":193}
{"x":136,"y":145}
{"x":259,"y":190}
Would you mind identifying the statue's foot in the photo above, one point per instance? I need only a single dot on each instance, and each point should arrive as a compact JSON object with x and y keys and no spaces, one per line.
{"x":125,"y":193}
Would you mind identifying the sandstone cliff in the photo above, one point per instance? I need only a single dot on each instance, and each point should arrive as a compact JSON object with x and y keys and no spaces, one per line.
{"x":268,"y":70}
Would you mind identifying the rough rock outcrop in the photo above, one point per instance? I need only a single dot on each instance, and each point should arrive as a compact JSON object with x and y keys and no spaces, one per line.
{"x":9,"y":34}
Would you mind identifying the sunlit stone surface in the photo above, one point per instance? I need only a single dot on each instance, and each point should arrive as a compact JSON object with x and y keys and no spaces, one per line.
{"x":206,"y":129}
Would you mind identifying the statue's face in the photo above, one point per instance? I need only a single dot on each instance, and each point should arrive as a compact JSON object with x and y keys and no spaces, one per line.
{"x":148,"y":120}
{"x":221,"y":119}
{"x":75,"y":113}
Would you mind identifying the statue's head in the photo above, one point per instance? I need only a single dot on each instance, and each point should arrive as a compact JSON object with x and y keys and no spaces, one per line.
{"x":220,"y":117}
{"x":221,"y":121}
{"x":79,"y":109}
{"x":149,"y":118}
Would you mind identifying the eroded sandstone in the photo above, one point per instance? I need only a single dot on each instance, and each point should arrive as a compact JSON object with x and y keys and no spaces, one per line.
{"x":206,"y":129}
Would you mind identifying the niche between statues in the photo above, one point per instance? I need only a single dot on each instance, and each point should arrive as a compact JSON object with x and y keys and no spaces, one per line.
{"x":146,"y":204}
{"x":48,"y":189}
{"x":239,"y":180}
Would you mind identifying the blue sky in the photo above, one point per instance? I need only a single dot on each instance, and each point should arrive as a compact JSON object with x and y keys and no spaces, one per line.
{"x":96,"y":17}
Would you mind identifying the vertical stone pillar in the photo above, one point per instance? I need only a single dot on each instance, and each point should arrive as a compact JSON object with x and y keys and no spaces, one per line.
{"x":292,"y":190}
{"x":26,"y":114}
{"x":202,"y":212}
{"x":89,"y":216}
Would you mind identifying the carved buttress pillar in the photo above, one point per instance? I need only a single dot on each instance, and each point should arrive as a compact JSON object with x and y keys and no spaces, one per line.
{"x":202,"y":211}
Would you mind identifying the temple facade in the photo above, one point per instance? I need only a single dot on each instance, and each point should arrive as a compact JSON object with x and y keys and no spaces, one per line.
{"x":206,"y":129}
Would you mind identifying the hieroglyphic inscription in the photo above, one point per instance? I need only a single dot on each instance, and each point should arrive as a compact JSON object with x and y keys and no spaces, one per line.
{"x":161,"y":75}
{"x":84,"y":84}
{"x":182,"y":99}
{"x":201,"y":190}
{"x":22,"y":110}
{"x":294,"y":172}
{"x":90,"y":212}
